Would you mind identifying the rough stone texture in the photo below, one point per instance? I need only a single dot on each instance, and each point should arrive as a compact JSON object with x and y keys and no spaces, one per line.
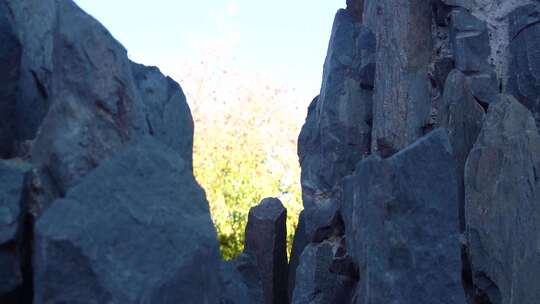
{"x":503,"y":206}
{"x":402,"y":102}
{"x":241,"y":281}
{"x":462,"y":116}
{"x":316,"y":284}
{"x":34,"y":22}
{"x":524,"y":67}
{"x":337,"y":132}
{"x":266,"y":234}
{"x":10,"y":60}
{"x":12,"y":174}
{"x":135,"y":230}
{"x":401,"y":219}
{"x":470,"y":42}
{"x":167,"y":113}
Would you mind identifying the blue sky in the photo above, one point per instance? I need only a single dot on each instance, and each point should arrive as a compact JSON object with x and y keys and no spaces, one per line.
{"x":285,"y":40}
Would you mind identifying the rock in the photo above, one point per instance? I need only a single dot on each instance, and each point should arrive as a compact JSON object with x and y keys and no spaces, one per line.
{"x":484,"y":88}
{"x":137,"y":229}
{"x":402,"y":224}
{"x":167,"y":113}
{"x":337,"y":133}
{"x":462,"y":116}
{"x":402,"y":100}
{"x":503,"y":206}
{"x":266,"y":234}
{"x":356,"y":8}
{"x":10,"y":61}
{"x":12,"y":175}
{"x":93,"y":96}
{"x":470,"y":42}
{"x":242,"y":281}
{"x":316,"y":284}
{"x":524,"y":66}
{"x":35,"y":23}
{"x":300,"y":241}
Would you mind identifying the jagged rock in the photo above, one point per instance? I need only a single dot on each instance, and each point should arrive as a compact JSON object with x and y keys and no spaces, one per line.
{"x":356,"y":7}
{"x":135,"y":230}
{"x":34,"y":22}
{"x":503,"y":206}
{"x":484,"y":88}
{"x":10,"y":60}
{"x":402,"y":224}
{"x":316,"y":284}
{"x":402,"y":99}
{"x":167,"y":113}
{"x":462,"y":116}
{"x":12,"y":175}
{"x":241,"y":281}
{"x":470,"y":42}
{"x":266,"y":240}
{"x":524,"y":66}
{"x":337,"y":133}
{"x":300,"y":241}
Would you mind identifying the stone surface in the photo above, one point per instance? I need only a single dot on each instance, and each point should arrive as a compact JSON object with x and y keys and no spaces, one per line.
{"x":524,"y":67}
{"x":470,"y":42}
{"x":402,"y":102}
{"x":266,"y":234}
{"x":241,"y":281}
{"x":462,"y":116}
{"x":316,"y":284}
{"x":402,"y":225}
{"x":10,"y":61}
{"x":135,"y":230}
{"x":12,"y":175}
{"x":503,"y":206}
{"x":337,"y":133}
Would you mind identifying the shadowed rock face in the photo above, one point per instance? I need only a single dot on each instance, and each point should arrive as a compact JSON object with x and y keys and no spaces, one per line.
{"x":503,"y":206}
{"x":135,"y":230}
{"x":266,"y":240}
{"x":401,"y":219}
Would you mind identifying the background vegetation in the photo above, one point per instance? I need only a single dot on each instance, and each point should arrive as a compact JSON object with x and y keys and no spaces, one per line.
{"x":246,"y":132}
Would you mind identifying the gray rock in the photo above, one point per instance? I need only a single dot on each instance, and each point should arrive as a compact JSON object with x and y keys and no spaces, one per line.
{"x":470,"y":42}
{"x":300,"y":242}
{"x":266,"y":234}
{"x":337,"y":133}
{"x":402,"y":99}
{"x":10,"y":61}
{"x":462,"y":116}
{"x":503,"y":206}
{"x":35,"y":22}
{"x":12,"y":175}
{"x":524,"y":66}
{"x":402,"y":224}
{"x":241,"y":281}
{"x":135,"y":230}
{"x":316,"y":284}
{"x":484,"y":88}
{"x":94,"y":98}
{"x":167,"y":113}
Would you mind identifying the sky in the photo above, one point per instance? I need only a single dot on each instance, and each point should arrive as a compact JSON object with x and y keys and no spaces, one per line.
{"x":284,"y":40}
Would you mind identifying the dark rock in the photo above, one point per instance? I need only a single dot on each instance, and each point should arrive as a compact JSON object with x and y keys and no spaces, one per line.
{"x":266,"y":234}
{"x":356,"y":8}
{"x":241,"y":281}
{"x":402,"y":224}
{"x":94,"y":97}
{"x":462,"y":116}
{"x":524,"y":65}
{"x":167,"y":113}
{"x":315,"y":283}
{"x":337,"y":133}
{"x":35,"y":22}
{"x":484,"y":88}
{"x":12,"y":175}
{"x":442,"y":68}
{"x":470,"y":42}
{"x":10,"y":61}
{"x":503,"y":206}
{"x":135,"y":230}
{"x":300,"y":242}
{"x":402,"y":99}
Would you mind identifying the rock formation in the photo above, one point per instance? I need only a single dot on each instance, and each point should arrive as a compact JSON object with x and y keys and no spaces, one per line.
{"x":420,"y":161}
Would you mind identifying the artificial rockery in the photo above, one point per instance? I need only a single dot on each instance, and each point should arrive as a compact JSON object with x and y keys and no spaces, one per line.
{"x":420,"y":167}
